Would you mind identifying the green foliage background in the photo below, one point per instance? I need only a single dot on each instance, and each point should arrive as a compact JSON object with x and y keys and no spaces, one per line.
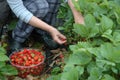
{"x":5,"y":68}
{"x":94,"y":46}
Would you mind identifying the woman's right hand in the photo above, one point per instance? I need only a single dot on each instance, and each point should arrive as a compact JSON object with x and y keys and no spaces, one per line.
{"x":57,"y":36}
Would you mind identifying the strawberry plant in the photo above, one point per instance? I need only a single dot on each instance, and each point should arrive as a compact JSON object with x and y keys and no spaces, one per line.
{"x":97,"y":57}
{"x":5,"y":69}
{"x":66,"y":15}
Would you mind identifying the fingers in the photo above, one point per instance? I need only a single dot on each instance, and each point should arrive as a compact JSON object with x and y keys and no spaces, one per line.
{"x":60,"y":39}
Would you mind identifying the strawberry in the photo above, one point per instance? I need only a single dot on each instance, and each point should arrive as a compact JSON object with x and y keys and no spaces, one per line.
{"x":36,"y":58}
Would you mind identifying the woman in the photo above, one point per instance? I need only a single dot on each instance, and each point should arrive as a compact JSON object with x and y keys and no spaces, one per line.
{"x":38,"y":15}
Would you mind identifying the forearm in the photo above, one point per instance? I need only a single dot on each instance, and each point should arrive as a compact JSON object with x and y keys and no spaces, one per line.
{"x":34,"y":21}
{"x":77,"y":15}
{"x":71,"y":5}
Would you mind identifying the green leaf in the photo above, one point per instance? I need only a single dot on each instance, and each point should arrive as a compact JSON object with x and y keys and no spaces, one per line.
{"x":73,"y":47}
{"x":93,"y":32}
{"x":80,"y":69}
{"x":115,"y":70}
{"x":68,"y":67}
{"x":118,"y":67}
{"x":117,"y":13}
{"x":95,"y":73}
{"x":81,"y":30}
{"x":115,"y":38}
{"x":89,"y":30}
{"x":56,"y":70}
{"x":54,"y":77}
{"x":97,"y":41}
{"x":108,"y":77}
{"x":104,"y":64}
{"x":90,"y":21}
{"x":99,"y":9}
{"x":80,"y":58}
{"x":117,"y":1}
{"x":110,"y":52}
{"x":70,"y":75}
{"x":95,"y":52}
{"x":2,"y":77}
{"x":2,"y":50}
{"x":93,"y":78}
{"x":106,"y":23}
{"x":107,"y":34}
{"x":3,"y":57}
{"x":84,"y":45}
{"x":9,"y":70}
{"x":2,"y":64}
{"x":90,"y":66}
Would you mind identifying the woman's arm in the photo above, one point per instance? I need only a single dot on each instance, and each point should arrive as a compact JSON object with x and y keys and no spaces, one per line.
{"x":57,"y":36}
{"x":22,"y":13}
{"x":77,"y":15}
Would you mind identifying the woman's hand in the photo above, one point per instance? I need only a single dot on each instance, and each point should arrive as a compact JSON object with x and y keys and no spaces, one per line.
{"x":57,"y":36}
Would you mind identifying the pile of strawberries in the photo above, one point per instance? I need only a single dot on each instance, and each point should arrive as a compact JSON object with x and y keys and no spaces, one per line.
{"x":28,"y":61}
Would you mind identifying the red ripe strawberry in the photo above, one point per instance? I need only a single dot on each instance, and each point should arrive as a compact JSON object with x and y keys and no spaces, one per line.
{"x":36,"y":58}
{"x":25,"y":58}
{"x":63,"y":39}
{"x":25,"y":51}
{"x":27,"y":63}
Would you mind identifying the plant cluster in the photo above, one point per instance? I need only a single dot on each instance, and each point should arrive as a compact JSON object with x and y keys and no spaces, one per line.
{"x":96,"y":56}
{"x":5,"y":69}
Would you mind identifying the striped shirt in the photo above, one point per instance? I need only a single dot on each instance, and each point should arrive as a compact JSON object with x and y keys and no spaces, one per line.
{"x":20,"y":10}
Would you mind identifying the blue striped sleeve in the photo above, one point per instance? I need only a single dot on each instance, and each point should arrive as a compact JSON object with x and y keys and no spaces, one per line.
{"x":20,"y":10}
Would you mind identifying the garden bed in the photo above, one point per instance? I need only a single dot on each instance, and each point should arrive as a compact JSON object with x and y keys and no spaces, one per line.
{"x":94,"y":47}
